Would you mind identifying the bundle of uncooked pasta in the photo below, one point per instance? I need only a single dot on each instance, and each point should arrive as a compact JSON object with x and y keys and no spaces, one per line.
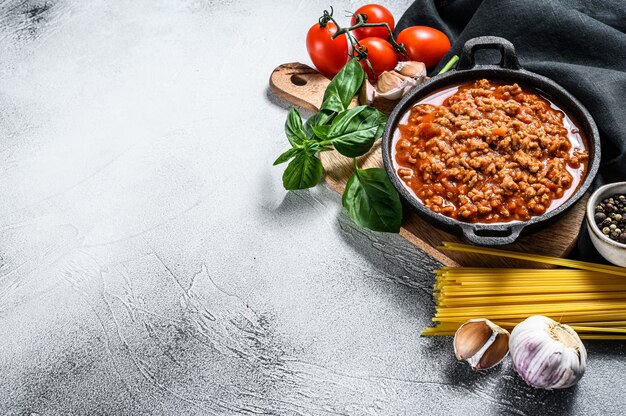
{"x":591,"y":298}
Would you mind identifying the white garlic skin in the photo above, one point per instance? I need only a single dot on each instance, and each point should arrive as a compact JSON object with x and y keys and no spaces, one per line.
{"x":543,"y":361}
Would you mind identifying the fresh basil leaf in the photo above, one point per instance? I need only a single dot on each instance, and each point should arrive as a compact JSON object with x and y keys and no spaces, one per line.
{"x":287,"y":155}
{"x":343,"y":87}
{"x":381,"y":120}
{"x":321,"y":131}
{"x":354,"y":131}
{"x":293,"y":128}
{"x":318,"y":119}
{"x":372,"y":202}
{"x":304,"y":171}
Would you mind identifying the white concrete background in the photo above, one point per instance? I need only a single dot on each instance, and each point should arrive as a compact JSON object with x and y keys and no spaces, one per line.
{"x":151,"y":262}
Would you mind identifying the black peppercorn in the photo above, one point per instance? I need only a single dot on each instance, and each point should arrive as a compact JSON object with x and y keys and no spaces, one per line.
{"x":610,"y":216}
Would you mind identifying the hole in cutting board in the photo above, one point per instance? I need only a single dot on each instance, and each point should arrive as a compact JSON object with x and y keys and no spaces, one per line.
{"x":298,"y":80}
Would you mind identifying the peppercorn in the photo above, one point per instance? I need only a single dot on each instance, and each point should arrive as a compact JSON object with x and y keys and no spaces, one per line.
{"x":610,"y":216}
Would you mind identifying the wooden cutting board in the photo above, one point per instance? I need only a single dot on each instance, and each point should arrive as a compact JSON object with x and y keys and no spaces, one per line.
{"x":304,"y":87}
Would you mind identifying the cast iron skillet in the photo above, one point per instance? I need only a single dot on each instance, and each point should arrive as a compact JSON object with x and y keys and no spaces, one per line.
{"x":507,"y":70}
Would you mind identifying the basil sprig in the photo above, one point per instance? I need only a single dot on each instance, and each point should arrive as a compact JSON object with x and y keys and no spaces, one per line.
{"x":369,"y":199}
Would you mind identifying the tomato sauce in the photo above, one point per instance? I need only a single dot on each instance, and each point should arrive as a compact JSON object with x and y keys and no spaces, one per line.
{"x":488,"y":152}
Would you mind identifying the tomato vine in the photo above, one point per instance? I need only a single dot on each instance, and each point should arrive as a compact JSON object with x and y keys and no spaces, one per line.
{"x":360,"y":52}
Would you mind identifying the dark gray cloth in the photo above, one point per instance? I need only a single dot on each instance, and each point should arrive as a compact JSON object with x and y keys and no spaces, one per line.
{"x":579,"y":44}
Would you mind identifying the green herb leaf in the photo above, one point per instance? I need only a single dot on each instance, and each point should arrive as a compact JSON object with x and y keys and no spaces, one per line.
{"x":287,"y":155}
{"x":372,"y":202}
{"x":304,"y":171}
{"x":343,"y":87}
{"x":381,"y":121}
{"x":321,"y":131}
{"x":318,"y":119}
{"x":354,"y":131}
{"x":293,"y":128}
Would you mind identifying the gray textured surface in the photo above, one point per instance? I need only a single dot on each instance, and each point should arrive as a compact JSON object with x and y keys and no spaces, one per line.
{"x":151,"y":262}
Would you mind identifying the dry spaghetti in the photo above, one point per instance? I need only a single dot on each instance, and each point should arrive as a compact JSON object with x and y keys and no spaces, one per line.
{"x":589,"y":297}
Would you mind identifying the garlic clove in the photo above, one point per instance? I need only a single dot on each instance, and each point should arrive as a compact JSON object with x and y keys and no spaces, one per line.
{"x":367,"y":93}
{"x":547,"y":354}
{"x":470,"y":338}
{"x":398,"y":92}
{"x":408,"y":88}
{"x":402,"y":77}
{"x":481,"y":343}
{"x":393,"y":85}
{"x":496,"y":353}
{"x":388,"y":81}
{"x":412,"y":69}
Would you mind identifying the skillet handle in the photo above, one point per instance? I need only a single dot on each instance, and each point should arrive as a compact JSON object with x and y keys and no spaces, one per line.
{"x":490,"y":238}
{"x":506,"y":48}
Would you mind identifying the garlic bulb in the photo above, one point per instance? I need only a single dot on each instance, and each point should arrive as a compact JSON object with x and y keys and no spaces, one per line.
{"x":547,"y":354}
{"x":481,"y":343}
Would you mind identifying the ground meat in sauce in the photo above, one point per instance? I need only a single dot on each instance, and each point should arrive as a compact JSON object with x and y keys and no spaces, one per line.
{"x":489,"y":153}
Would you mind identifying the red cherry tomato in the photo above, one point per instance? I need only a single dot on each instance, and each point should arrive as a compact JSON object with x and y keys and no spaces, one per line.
{"x":328,"y":55}
{"x":375,"y":14}
{"x":424,"y":44}
{"x":381,"y":55}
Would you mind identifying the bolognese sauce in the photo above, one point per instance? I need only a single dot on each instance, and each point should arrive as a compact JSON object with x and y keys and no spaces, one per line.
{"x":488,"y":152}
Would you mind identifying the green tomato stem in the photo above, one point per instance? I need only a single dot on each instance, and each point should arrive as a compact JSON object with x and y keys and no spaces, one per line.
{"x":360,"y":22}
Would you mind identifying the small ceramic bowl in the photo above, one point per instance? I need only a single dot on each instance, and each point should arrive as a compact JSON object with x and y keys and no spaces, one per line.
{"x":611,"y":250}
